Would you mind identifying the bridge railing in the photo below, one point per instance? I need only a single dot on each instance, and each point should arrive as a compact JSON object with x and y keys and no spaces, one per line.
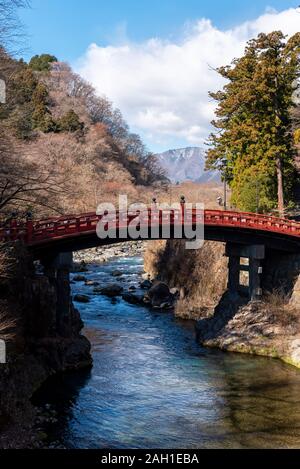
{"x":251,"y":220}
{"x":34,"y":232}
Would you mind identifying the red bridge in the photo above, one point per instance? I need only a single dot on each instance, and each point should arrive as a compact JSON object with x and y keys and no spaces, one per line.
{"x":75,"y":232}
{"x":270,"y":244}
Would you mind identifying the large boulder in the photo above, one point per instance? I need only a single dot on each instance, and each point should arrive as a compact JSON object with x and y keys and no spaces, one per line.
{"x":160,"y":295}
{"x":133,"y":299}
{"x":110,"y":290}
{"x":91,"y":283}
{"x":79,"y":278}
{"x":117,"y":273}
{"x":146,"y":284}
{"x":81,"y":298}
{"x":82,"y":267}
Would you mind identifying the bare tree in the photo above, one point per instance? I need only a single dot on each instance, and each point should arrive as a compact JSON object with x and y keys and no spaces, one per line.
{"x":25,"y":183}
{"x":11,"y":28}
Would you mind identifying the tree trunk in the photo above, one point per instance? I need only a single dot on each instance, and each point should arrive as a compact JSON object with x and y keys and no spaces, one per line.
{"x":280,"y":187}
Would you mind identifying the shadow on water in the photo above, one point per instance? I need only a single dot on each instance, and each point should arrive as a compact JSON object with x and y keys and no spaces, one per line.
{"x":60,"y":393}
{"x":153,"y":386}
{"x":62,"y":389}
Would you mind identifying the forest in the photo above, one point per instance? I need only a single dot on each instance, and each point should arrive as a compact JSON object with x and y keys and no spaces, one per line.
{"x":256,"y":141}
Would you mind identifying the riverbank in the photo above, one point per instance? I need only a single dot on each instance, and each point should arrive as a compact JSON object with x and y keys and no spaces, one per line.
{"x":37,"y":350}
{"x":264,"y":328}
{"x":41,"y":344}
{"x":268,"y":328}
{"x":103,"y":254}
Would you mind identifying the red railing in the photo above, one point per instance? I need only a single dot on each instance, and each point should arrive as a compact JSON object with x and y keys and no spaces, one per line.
{"x":35,"y":232}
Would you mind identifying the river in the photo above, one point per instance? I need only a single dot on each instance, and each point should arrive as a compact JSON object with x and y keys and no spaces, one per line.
{"x":153,"y":386}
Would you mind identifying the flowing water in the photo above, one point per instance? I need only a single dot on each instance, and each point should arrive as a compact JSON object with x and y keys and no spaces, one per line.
{"x":153,"y":386}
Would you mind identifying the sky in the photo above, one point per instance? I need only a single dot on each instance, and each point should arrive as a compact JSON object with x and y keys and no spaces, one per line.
{"x":155,"y":59}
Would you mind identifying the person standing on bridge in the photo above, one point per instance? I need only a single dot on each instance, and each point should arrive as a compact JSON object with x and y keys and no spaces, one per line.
{"x":154,"y":201}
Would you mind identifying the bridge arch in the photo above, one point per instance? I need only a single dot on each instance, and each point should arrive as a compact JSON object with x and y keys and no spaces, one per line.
{"x":250,"y":235}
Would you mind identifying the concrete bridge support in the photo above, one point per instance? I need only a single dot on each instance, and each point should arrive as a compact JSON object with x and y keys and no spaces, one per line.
{"x":57,"y":269}
{"x":282,"y":274}
{"x":245,"y":269}
{"x":266,"y":271}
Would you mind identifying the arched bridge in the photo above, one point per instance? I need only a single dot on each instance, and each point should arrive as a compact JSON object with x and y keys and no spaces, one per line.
{"x":75,"y":232}
{"x":271,"y":245}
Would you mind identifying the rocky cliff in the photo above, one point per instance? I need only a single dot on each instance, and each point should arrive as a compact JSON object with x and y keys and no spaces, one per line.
{"x":37,"y":348}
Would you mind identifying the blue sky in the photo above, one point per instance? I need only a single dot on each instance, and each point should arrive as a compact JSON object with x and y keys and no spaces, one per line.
{"x":67,"y":27}
{"x":154,"y":58}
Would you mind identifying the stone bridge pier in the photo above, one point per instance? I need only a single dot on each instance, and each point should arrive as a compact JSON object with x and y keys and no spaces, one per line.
{"x":57,"y":268}
{"x":254,"y":270}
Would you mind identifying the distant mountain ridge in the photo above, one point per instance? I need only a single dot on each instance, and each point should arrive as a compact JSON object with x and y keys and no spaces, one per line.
{"x":187,"y":164}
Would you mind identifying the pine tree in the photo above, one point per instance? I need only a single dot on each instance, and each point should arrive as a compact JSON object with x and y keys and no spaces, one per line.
{"x":70,"y":122}
{"x":41,"y":116}
{"x":254,"y":128}
{"x":42,"y":63}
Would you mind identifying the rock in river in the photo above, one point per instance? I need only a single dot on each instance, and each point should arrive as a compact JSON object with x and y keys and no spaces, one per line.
{"x":146,"y":284}
{"x":91,"y":283}
{"x":133,"y":299}
{"x":79,"y":278}
{"x":160,"y":295}
{"x":117,"y":273}
{"x":110,"y":290}
{"x":81,"y":298}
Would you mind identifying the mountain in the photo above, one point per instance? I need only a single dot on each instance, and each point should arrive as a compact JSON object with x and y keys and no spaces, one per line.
{"x":186,"y":164}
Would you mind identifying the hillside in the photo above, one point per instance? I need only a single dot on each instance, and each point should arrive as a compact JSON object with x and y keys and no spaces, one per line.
{"x":63,"y":148}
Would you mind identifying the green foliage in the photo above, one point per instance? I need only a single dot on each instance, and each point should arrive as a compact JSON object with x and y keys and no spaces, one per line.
{"x":41,"y":116}
{"x":297,"y":136}
{"x":253,"y":137}
{"x":252,"y":191}
{"x":42,"y":63}
{"x":42,"y":120}
{"x":28,"y":105}
{"x":22,"y":87}
{"x":70,"y":122}
{"x":20,"y":121}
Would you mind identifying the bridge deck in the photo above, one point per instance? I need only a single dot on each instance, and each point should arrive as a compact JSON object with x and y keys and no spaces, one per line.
{"x":53,"y":230}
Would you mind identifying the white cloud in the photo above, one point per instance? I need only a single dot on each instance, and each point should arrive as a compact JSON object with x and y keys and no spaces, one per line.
{"x":162,"y":86}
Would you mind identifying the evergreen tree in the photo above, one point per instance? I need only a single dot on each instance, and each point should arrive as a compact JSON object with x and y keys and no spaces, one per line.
{"x":42,"y":63}
{"x":27,"y":107}
{"x":254,"y":128}
{"x":70,"y":122}
{"x":41,"y":116}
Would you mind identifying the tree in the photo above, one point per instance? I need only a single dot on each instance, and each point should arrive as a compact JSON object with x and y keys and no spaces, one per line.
{"x":296,"y":121}
{"x":41,"y":117}
{"x":254,"y":125}
{"x":25,"y":182}
{"x":11,"y":30}
{"x":70,"y":122}
{"x":27,"y":107}
{"x":94,"y":110}
{"x":42,"y":63}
